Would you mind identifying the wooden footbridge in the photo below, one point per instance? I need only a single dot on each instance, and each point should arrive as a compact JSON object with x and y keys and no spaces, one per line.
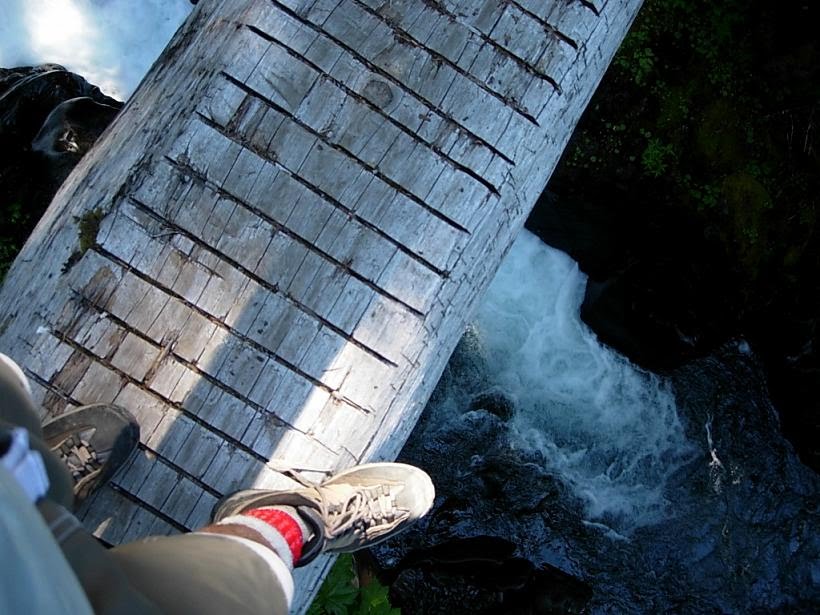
{"x":270,"y":255}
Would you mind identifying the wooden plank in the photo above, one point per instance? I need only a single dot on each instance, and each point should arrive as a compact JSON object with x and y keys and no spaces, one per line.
{"x":159,"y":482}
{"x":241,"y":368}
{"x":324,"y":290}
{"x":359,"y":249}
{"x":221,"y":102}
{"x":180,"y":503}
{"x":98,"y":385}
{"x":291,"y":144}
{"x":386,"y":327}
{"x":221,"y":410}
{"x":334,"y":419}
{"x":145,"y":523}
{"x":281,"y":80}
{"x":490,"y":59}
{"x":109,"y":515}
{"x":351,"y":305}
{"x":198,"y":449}
{"x":201,"y":513}
{"x":231,"y":469}
{"x":189,"y":338}
{"x":147,"y":409}
{"x":410,"y":281}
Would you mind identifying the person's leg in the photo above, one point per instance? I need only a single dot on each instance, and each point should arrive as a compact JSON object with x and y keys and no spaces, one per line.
{"x":18,"y":410}
{"x":81,"y":449}
{"x":104,"y":582}
{"x":204,"y":573}
{"x":194,"y":573}
{"x":354,"y":509}
{"x":241,"y":563}
{"x":36,"y":577}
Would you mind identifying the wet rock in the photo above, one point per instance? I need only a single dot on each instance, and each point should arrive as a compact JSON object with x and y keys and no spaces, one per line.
{"x":742,"y":534}
{"x":596,"y":236}
{"x":29,"y":94}
{"x":70,"y":130}
{"x":658,"y":290}
{"x":486,"y":547}
{"x":495,"y":402}
{"x":49,"y":118}
{"x":481,"y":575}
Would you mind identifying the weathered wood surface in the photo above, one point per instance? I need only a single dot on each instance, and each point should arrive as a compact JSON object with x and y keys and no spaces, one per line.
{"x":300,"y":208}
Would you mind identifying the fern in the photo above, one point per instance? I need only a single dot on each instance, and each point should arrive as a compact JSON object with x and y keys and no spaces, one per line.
{"x":341,"y":594}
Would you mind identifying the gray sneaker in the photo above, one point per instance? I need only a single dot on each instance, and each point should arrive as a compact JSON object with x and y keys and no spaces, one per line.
{"x":354,"y":509}
{"x":93,"y":442}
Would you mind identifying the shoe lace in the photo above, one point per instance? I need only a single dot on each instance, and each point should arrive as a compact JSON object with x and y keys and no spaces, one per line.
{"x":79,"y":456}
{"x":365,"y":511}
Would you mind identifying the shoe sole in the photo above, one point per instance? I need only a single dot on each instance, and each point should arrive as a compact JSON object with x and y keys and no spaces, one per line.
{"x":113,"y":425}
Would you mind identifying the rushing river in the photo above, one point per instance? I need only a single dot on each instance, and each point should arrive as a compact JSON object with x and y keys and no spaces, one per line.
{"x":607,"y":428}
{"x":647,"y":494}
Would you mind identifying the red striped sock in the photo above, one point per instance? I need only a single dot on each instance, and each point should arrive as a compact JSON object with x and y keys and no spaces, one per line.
{"x":284,"y":524}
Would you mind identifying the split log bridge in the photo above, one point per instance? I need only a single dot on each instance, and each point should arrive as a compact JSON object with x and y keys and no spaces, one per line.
{"x":271,"y":253}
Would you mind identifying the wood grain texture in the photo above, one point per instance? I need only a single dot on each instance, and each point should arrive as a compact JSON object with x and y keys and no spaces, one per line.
{"x":299,"y":210}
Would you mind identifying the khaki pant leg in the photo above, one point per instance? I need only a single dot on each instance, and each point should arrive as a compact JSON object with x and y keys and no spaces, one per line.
{"x":35,"y":576}
{"x":104,"y":582}
{"x":17,"y":410}
{"x":203,"y":574}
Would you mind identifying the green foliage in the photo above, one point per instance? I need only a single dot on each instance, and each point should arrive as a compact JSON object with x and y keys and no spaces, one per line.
{"x":711,"y":109}
{"x":636,"y":56}
{"x":89,"y":226}
{"x":656,"y":157}
{"x":13,"y":213}
{"x":373,"y":600}
{"x":720,"y":141}
{"x":340,"y":594}
{"x":703,"y":196}
{"x":13,"y":217}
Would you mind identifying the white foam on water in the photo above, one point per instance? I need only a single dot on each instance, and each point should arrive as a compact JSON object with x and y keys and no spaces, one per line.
{"x":112,"y":43}
{"x":609,"y":429}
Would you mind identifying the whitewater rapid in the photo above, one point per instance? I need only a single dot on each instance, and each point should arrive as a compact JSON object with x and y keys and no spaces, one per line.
{"x":608,"y":429}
